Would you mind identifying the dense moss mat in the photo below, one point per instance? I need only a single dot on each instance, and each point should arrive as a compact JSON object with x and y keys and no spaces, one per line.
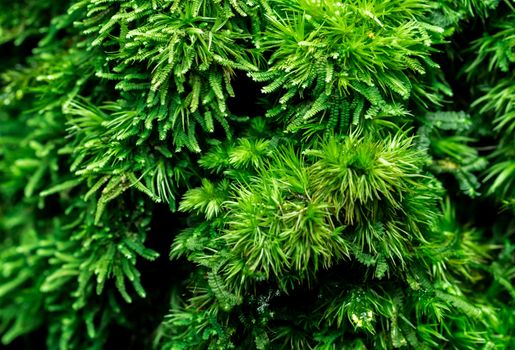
{"x":257,"y":174}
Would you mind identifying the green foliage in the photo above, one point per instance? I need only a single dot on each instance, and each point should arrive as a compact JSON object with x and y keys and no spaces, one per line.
{"x":327,"y":52}
{"x":113,"y":167}
{"x":444,"y":135}
{"x":495,"y":99}
{"x":329,"y":174}
{"x":201,"y":44}
{"x":304,"y":218}
{"x":60,"y":280}
{"x":23,"y":19}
